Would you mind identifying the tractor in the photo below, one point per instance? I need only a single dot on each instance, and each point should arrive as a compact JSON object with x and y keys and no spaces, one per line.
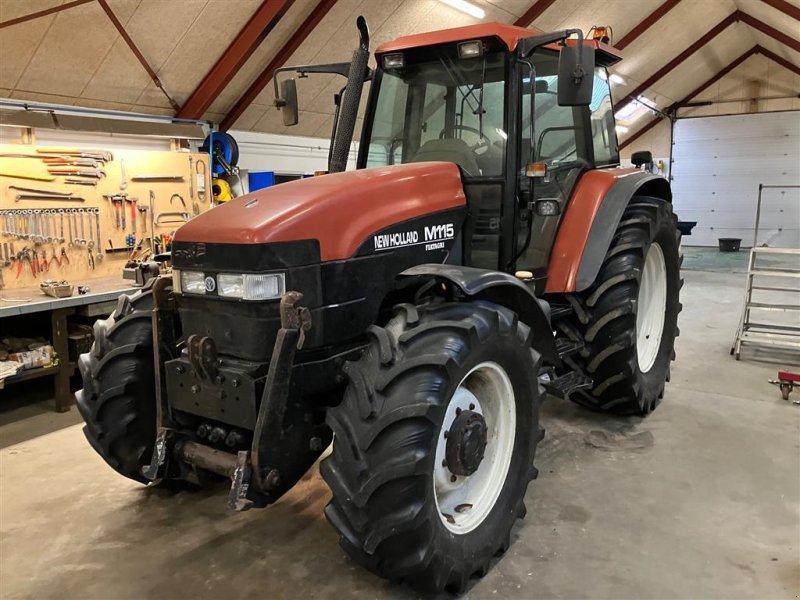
{"x":411,"y":314}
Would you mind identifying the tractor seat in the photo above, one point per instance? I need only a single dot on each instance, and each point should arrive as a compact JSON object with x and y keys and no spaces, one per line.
{"x":449,"y":150}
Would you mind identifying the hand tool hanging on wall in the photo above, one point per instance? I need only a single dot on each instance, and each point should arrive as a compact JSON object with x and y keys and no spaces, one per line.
{"x":94,"y":173}
{"x":103,"y":155}
{"x":29,"y":176}
{"x":83,"y":227}
{"x":19,"y":197}
{"x":123,"y":182}
{"x":165,"y":218}
{"x":132,"y":202}
{"x":201,"y":180}
{"x":152,"y":218}
{"x":76,"y":240}
{"x":19,"y":155}
{"x":68,"y":161}
{"x":70,"y":181}
{"x":143,"y":212}
{"x":97,"y":227}
{"x":157,"y":178}
{"x":191,"y":176}
{"x":118,"y":200}
{"x":179,"y":197}
{"x":38,"y":191}
{"x":69,"y":222}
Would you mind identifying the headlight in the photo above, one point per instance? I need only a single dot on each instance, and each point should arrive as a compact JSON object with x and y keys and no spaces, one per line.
{"x":251,"y":287}
{"x":192,"y":282}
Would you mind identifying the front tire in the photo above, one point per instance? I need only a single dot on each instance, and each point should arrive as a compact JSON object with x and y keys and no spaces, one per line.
{"x":628,"y":318}
{"x":117,"y":401}
{"x":410,"y":503}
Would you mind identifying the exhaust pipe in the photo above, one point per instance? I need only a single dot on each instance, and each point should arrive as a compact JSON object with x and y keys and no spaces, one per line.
{"x":350,"y":101}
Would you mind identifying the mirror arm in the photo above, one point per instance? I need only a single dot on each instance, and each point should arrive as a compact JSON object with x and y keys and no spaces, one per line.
{"x":342,"y":69}
{"x":528,"y":45}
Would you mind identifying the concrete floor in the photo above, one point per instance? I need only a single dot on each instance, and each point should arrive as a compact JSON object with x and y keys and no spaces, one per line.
{"x":701,"y":500}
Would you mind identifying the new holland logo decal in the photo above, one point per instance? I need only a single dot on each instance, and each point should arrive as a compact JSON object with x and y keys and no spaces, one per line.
{"x":433,"y":237}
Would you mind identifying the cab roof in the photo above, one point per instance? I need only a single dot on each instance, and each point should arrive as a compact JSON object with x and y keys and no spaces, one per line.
{"x":509,"y":35}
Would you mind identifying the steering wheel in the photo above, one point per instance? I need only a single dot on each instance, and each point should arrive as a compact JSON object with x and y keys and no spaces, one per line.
{"x":483,"y":141}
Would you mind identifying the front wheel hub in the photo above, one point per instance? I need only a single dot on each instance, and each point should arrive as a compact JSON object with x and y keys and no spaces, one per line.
{"x":466,"y":443}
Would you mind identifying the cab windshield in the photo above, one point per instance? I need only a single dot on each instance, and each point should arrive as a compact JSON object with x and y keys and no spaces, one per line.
{"x":442,"y":108}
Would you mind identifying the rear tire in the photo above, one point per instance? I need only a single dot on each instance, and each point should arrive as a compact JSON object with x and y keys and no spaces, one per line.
{"x":628,"y":318}
{"x":117,"y":401}
{"x":391,"y":486}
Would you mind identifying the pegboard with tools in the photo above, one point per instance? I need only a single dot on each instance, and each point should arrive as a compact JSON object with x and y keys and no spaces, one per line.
{"x":76,"y":214}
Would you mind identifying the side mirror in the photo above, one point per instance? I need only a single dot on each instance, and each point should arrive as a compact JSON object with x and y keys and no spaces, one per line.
{"x":575,"y":75}
{"x":288,"y":102}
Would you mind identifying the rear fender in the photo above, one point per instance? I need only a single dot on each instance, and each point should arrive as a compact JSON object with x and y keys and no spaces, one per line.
{"x":590,"y":222}
{"x":503,"y":289}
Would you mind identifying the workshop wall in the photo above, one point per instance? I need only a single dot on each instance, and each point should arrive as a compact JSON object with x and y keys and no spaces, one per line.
{"x":141,"y":157}
{"x":286,"y":154}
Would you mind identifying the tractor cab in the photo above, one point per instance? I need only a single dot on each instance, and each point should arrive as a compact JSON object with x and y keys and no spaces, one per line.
{"x":507,"y":106}
{"x":502,"y":103}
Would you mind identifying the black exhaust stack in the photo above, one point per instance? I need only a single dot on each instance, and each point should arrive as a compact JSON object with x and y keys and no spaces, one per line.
{"x":350,"y":101}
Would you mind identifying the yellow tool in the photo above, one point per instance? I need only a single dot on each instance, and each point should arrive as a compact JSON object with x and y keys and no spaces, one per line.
{"x":27,"y":176}
{"x":221,"y":189}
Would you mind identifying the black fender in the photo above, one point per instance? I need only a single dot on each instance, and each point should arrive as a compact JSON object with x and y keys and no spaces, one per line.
{"x":608,"y":218}
{"x":503,"y":289}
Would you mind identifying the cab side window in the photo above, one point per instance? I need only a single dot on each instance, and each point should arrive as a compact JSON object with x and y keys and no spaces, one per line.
{"x":604,"y":136}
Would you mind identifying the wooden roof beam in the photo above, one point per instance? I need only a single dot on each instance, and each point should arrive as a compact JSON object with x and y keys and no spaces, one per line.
{"x":254,"y":32}
{"x":646,"y":24}
{"x":735,"y":63}
{"x":758,"y":25}
{"x":533,"y":13}
{"x":635,"y":136}
{"x":710,"y":35}
{"x":136,"y":52}
{"x":704,"y":39}
{"x":722,"y":73}
{"x":785,"y":7}
{"x":779,"y":60}
{"x":42,"y":13}
{"x":289,"y":48}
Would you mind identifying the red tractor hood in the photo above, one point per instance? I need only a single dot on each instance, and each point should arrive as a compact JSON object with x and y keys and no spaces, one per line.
{"x":339,"y":210}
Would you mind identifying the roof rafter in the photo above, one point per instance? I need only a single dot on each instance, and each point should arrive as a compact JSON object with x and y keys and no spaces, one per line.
{"x":734,"y":17}
{"x":646,"y":23}
{"x":785,"y":7}
{"x":735,"y":63}
{"x":533,"y":13}
{"x":136,"y":52}
{"x":702,"y":41}
{"x":261,"y":23}
{"x":42,"y":13}
{"x":783,"y":38}
{"x":289,"y":48}
{"x":780,"y":60}
{"x":757,"y":49}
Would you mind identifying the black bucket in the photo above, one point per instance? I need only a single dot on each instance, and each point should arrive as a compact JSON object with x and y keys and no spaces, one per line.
{"x":730,"y":244}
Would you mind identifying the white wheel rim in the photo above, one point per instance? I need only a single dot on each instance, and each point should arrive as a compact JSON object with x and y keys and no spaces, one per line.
{"x":652,"y":308}
{"x":465,"y":503}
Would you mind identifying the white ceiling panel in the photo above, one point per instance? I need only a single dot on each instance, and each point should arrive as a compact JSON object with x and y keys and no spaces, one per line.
{"x":77,"y":57}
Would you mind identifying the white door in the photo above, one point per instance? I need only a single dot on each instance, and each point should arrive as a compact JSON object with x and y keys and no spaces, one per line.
{"x":718,"y":164}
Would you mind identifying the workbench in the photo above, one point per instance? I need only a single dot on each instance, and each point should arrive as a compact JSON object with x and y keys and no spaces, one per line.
{"x":100,"y":300}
